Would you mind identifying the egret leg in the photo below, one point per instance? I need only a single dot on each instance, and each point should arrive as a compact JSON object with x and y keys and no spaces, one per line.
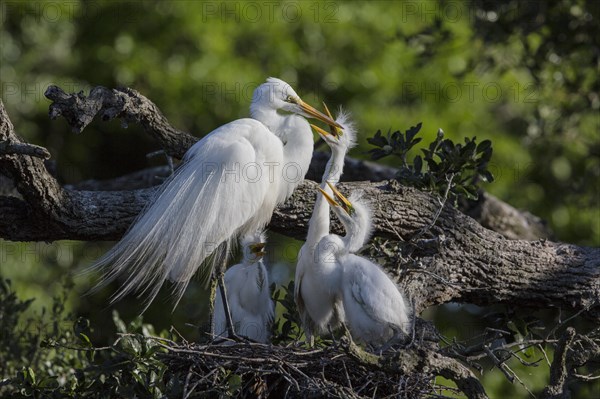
{"x":221,"y":282}
{"x":211,"y":308}
{"x":230,"y":329}
{"x":331,"y":333}
{"x":398,"y":337}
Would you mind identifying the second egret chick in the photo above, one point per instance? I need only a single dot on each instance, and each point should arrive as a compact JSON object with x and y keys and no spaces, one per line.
{"x":317,"y":277}
{"x":248,"y":295}
{"x":376,"y":312}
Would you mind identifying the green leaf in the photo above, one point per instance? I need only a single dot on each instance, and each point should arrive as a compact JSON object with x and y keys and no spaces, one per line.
{"x":484,"y":146}
{"x":119,"y":324}
{"x":487,"y":176}
{"x":418,"y":164}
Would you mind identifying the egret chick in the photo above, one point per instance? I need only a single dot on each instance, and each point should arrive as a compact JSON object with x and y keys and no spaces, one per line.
{"x":317,"y":277}
{"x":248,"y":295}
{"x":376,"y":312}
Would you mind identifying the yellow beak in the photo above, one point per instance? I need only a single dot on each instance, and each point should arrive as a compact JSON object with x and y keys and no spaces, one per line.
{"x":348,"y":204}
{"x":328,"y":198}
{"x":322,"y":132}
{"x":317,"y":114}
{"x":334,"y":131}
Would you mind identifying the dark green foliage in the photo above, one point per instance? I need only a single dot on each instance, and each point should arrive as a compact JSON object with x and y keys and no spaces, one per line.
{"x":287,"y":327}
{"x":51,"y":355}
{"x":444,"y":165}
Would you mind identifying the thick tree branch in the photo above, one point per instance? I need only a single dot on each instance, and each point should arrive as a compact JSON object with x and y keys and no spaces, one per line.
{"x":129,"y":105}
{"x":470,"y":263}
{"x":455,"y":260}
{"x":459,"y":261}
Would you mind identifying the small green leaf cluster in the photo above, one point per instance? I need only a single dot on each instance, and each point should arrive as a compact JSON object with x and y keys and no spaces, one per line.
{"x":444,"y":166}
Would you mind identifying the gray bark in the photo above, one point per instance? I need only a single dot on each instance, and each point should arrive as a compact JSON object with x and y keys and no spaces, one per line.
{"x":438,"y":257}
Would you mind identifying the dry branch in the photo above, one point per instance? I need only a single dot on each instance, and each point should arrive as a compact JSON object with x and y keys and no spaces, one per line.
{"x":333,"y":371}
{"x":455,"y":260}
{"x":471,"y":264}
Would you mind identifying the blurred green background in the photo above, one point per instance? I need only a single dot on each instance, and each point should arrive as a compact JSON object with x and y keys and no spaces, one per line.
{"x":523,"y":74}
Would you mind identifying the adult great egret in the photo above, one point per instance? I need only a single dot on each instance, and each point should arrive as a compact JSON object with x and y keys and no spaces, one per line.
{"x":317,"y":277}
{"x":248,"y":295}
{"x":375,"y":310}
{"x":228,"y":185}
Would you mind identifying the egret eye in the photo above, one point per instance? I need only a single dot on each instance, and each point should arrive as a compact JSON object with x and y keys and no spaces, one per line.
{"x":290,"y":99}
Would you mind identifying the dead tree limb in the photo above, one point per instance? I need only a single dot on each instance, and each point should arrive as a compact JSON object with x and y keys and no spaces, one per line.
{"x":130,"y":106}
{"x":124,"y":103}
{"x":472,"y":264}
{"x":455,"y":260}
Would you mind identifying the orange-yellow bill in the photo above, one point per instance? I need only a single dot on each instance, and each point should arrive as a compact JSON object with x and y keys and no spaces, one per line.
{"x":348,"y":204}
{"x":328,"y":198}
{"x":335,"y":131}
{"x":323,"y":132}
{"x":317,"y":114}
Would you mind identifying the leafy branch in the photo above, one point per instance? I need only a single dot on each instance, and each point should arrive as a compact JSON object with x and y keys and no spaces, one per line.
{"x":443,"y":167}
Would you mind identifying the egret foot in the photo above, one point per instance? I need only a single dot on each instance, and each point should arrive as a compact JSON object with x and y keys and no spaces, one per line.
{"x":399,"y":337}
{"x":356,"y":351}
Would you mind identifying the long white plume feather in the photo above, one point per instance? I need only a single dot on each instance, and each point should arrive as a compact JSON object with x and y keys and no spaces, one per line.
{"x":202,"y":206}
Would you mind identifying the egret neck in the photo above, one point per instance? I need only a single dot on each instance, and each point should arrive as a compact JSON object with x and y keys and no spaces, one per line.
{"x":297,"y":138}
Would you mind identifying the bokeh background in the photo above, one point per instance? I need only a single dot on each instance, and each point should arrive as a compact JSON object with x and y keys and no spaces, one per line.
{"x":523,"y":74}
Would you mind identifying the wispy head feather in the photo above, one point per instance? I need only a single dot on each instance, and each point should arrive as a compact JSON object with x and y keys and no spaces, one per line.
{"x":349,"y":132}
{"x":253,"y":238}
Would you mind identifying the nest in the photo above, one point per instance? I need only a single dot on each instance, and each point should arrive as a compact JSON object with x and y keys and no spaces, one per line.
{"x":341,"y":370}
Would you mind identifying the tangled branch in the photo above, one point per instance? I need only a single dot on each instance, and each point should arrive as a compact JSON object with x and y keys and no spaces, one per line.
{"x":462,"y":255}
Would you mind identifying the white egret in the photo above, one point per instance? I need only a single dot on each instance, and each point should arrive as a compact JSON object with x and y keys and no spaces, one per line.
{"x":228,"y":185}
{"x":375,"y":310}
{"x":248,"y":295}
{"x":317,"y":278}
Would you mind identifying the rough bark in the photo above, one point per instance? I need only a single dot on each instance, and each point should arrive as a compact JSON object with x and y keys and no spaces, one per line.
{"x":124,"y":103}
{"x":441,"y":256}
{"x":459,"y":260}
{"x":130,"y":106}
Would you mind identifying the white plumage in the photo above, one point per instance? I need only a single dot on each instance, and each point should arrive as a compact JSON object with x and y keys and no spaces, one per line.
{"x":318,"y":276}
{"x":375,"y":310}
{"x":228,"y":185}
{"x":248,"y":295}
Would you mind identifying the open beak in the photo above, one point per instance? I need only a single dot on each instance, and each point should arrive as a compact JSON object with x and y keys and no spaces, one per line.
{"x":328,"y":198}
{"x":344,"y":203}
{"x":258,"y":249}
{"x":334,"y":131}
{"x":347,"y":205}
{"x":314,"y":113}
{"x":322,"y":132}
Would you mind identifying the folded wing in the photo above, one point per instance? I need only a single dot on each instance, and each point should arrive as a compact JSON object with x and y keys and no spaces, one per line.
{"x":220,"y":189}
